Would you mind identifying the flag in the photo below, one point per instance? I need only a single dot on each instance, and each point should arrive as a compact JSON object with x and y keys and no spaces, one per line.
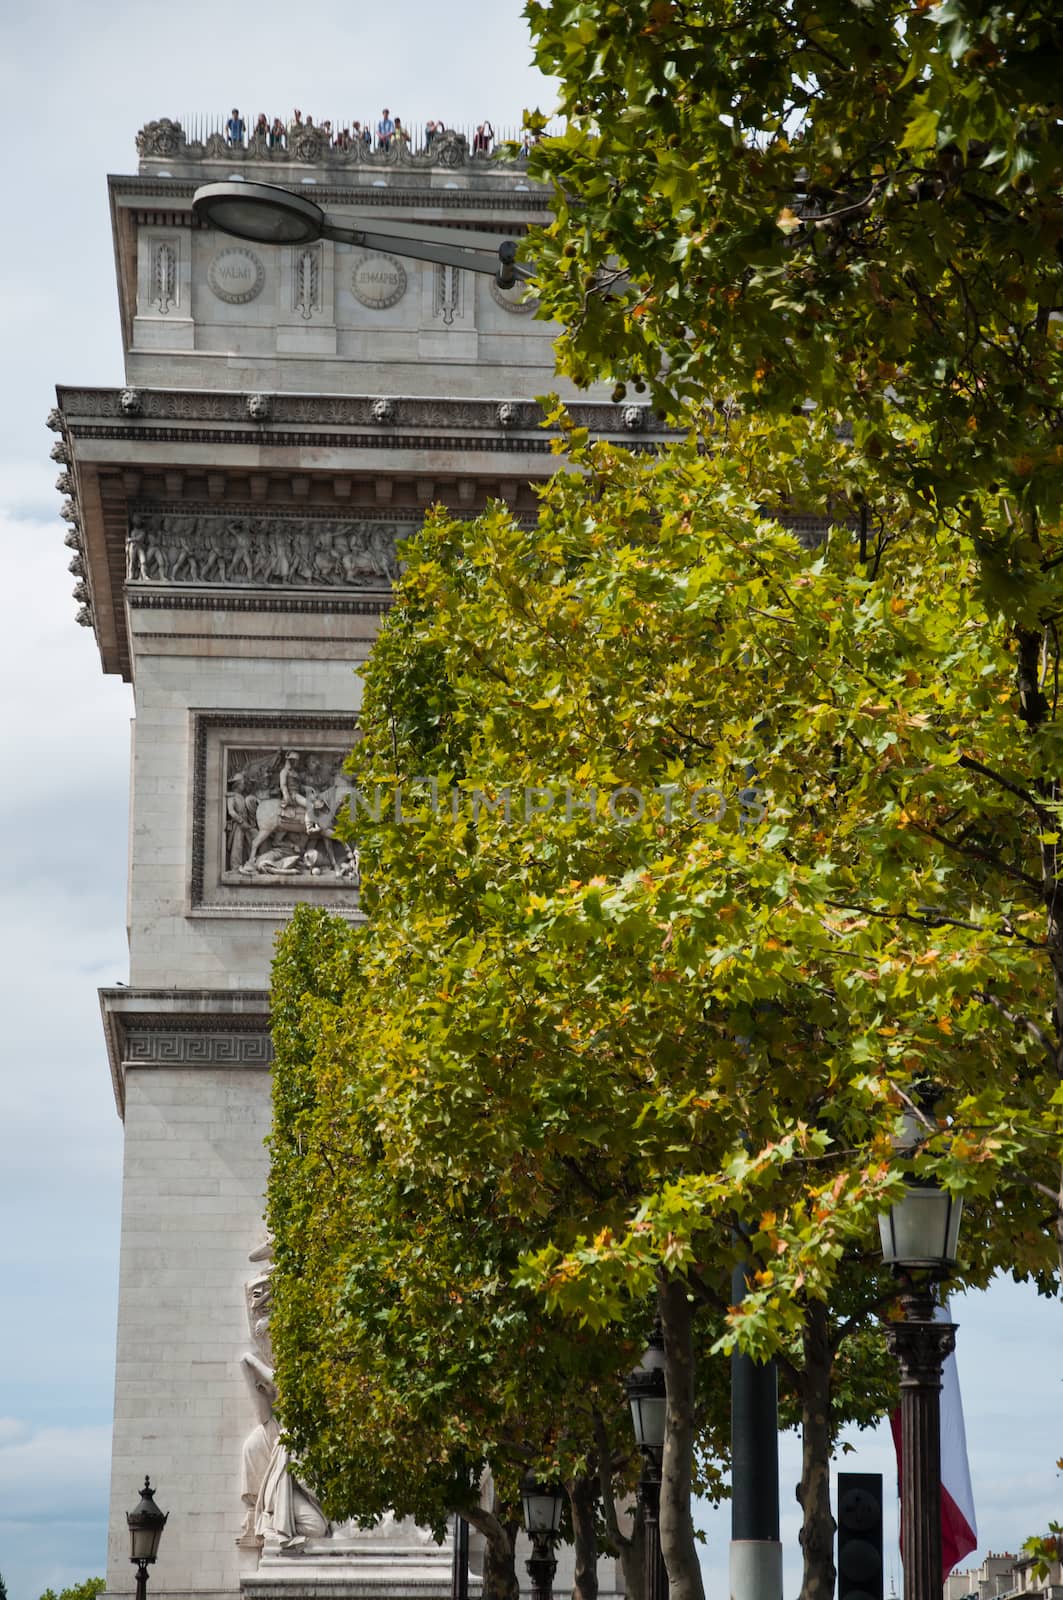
{"x":959,"y":1533}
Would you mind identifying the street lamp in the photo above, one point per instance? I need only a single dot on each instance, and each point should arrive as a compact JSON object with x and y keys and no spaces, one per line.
{"x":647,"y":1397}
{"x":920,"y":1240}
{"x":145,"y":1524}
{"x":264,"y":213}
{"x":542,"y":1505}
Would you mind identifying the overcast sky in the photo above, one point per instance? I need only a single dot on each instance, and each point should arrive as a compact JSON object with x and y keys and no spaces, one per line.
{"x":77,"y":79}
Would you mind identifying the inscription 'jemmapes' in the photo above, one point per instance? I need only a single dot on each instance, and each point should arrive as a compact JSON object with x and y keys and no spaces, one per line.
{"x":256,"y":551}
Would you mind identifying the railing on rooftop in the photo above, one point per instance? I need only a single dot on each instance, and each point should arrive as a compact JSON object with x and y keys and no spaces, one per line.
{"x":332,"y":143}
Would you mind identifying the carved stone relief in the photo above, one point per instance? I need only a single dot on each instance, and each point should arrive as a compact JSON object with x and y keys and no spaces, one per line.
{"x":516,"y":299}
{"x":236,"y":275}
{"x":281,"y":809}
{"x":278,"y":1509}
{"x":256,"y":551}
{"x":448,"y":294}
{"x":306,"y":281}
{"x":163,"y":277}
{"x":378,"y":281}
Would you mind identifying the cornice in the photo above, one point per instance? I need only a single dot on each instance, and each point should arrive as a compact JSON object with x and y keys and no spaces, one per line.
{"x":508,"y":200}
{"x":223,"y":1028}
{"x":137,"y":409}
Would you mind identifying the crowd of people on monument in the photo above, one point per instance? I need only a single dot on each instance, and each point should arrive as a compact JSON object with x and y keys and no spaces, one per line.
{"x":389,"y":131}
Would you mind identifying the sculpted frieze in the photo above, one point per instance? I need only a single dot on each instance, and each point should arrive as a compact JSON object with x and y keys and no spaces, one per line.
{"x":258,"y":551}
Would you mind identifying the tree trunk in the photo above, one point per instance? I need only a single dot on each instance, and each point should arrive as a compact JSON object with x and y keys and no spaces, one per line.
{"x":582,"y":1493}
{"x":500,"y":1570}
{"x":817,"y":1527}
{"x":630,"y":1548}
{"x":677,"y":1524}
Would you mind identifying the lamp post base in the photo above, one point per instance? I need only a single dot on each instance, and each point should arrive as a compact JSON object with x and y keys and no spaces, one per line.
{"x":756,"y":1569}
{"x":920,"y":1344}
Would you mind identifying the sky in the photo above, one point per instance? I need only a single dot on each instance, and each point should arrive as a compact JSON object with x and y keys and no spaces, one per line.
{"x":78,"y":78}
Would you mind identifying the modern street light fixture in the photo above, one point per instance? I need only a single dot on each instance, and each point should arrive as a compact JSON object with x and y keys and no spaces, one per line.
{"x":145,"y":1523}
{"x":265,"y":213}
{"x":542,"y":1505}
{"x":920,"y":1240}
{"x":647,"y":1397}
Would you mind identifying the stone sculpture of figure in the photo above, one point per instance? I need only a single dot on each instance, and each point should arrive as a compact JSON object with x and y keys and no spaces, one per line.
{"x":292,"y":785}
{"x":240,"y":558}
{"x":144,"y":557}
{"x":241,"y":826}
{"x":281,"y":1511}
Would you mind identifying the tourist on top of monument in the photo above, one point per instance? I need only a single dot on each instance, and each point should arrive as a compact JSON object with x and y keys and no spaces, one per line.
{"x":326,"y":129}
{"x":297,"y":120}
{"x":429,"y":134}
{"x":276,"y":134}
{"x":234,"y":129}
{"x":385,"y":129}
{"x":483,"y":139}
{"x":342,"y":140}
{"x":401,"y":136}
{"x":262,"y":126}
{"x":367,"y":137}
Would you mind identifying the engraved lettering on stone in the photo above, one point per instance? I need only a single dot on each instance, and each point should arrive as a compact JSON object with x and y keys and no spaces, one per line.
{"x":378,"y":281}
{"x":281,"y":811}
{"x":280,"y":1513}
{"x":306,"y":282}
{"x":208,"y":548}
{"x":163,"y":277}
{"x":236,"y":276}
{"x":448,"y":294}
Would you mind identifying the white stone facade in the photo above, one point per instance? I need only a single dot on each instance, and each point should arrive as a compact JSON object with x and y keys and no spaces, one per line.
{"x":233,"y":514}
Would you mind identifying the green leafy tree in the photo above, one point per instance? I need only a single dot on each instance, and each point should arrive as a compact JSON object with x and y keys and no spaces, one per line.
{"x":88,"y":1590}
{"x":648,"y":1024}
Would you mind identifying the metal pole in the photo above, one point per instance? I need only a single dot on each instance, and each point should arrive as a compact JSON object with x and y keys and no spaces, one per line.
{"x":756,"y":1551}
{"x":541,"y":1566}
{"x":920,"y":1345}
{"x":459,"y":1582}
{"x":142,"y":1581}
{"x":655,"y":1573}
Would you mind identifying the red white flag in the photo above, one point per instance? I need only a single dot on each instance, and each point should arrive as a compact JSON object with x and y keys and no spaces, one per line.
{"x":959,"y":1533}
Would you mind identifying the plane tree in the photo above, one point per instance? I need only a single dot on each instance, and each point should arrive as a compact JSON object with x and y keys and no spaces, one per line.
{"x":670,"y":916}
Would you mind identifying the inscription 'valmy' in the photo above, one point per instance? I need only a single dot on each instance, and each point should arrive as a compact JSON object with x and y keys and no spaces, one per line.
{"x":236,"y":276}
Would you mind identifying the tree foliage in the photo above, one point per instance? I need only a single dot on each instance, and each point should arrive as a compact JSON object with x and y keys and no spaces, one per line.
{"x":859,"y":206}
{"x":580,"y":1048}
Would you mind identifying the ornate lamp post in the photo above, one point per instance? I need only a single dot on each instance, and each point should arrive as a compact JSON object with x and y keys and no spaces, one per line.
{"x":542,"y":1505}
{"x":265,"y":213}
{"x":648,"y":1401}
{"x":145,"y":1523}
{"x":920,"y":1238}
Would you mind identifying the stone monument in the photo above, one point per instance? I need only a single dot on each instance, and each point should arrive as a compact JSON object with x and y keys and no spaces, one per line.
{"x":236,"y":515}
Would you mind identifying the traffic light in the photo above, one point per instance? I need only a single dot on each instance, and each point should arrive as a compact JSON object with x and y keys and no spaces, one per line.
{"x":859,"y":1536}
